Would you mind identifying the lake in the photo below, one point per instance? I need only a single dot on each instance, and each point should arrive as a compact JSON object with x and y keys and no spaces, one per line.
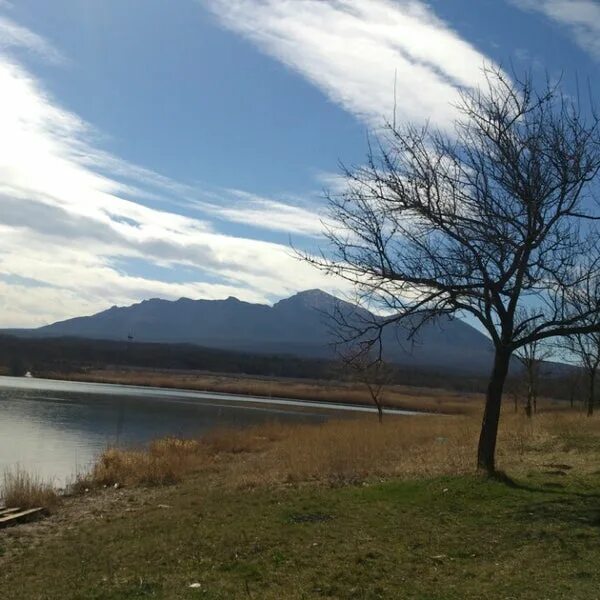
{"x":57,"y":428}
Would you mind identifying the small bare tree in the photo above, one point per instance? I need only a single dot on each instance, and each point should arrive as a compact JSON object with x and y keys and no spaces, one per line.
{"x":574,"y":384}
{"x":487,"y":221}
{"x":585,"y":347}
{"x":532,"y":356}
{"x":372,"y":372}
{"x":512,"y":389}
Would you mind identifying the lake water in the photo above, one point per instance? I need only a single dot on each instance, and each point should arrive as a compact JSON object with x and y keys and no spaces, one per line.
{"x":57,"y":428}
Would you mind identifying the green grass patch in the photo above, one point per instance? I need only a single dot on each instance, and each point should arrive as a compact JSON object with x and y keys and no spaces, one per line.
{"x":445,"y":538}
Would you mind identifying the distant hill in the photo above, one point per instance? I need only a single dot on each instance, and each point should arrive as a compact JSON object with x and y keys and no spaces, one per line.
{"x":295,"y":326}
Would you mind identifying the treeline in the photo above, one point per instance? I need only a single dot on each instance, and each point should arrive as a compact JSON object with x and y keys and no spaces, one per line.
{"x":69,"y":355}
{"x":72,"y":355}
{"x":19,"y":355}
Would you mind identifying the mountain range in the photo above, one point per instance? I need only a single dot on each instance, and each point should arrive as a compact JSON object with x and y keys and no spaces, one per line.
{"x":298,"y":326}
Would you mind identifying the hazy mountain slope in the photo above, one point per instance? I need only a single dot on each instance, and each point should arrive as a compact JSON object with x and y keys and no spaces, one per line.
{"x":296,"y":325}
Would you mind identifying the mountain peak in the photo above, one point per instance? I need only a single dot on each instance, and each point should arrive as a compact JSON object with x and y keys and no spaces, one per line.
{"x":314,"y":294}
{"x":308,"y":298}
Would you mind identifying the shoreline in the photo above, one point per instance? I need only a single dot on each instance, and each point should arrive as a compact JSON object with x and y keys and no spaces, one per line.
{"x":396,"y":397}
{"x":151,"y":391}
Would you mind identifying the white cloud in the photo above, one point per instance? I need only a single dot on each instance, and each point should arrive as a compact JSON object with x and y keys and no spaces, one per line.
{"x":76,"y":276}
{"x":265,"y":213}
{"x":71,"y":215}
{"x":13,"y":35}
{"x":581,"y":17}
{"x":354,"y":50}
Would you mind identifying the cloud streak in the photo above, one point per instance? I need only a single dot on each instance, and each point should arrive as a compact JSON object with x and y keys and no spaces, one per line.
{"x":265,"y":213}
{"x":13,"y":35}
{"x":354,"y":51}
{"x":580,"y":17}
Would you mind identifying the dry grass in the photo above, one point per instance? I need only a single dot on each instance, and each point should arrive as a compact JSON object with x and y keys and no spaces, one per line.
{"x":165,"y":462}
{"x":21,"y":489}
{"x":355,"y":450}
{"x":398,"y":396}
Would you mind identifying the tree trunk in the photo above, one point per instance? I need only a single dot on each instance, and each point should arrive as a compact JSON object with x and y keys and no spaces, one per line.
{"x":489,"y":428}
{"x":531,"y":408}
{"x":376,"y":397}
{"x":592,"y":393}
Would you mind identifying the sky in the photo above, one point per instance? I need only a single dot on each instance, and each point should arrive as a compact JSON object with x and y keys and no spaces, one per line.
{"x":167,"y":149}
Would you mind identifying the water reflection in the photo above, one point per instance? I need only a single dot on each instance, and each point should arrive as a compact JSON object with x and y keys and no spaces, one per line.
{"x":55,"y":432}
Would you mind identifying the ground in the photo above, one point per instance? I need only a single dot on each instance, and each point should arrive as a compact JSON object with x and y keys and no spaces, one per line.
{"x":378,"y":533}
{"x":444,"y":538}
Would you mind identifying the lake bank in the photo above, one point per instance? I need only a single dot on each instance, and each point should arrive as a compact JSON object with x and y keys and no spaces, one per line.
{"x":401,"y":397}
{"x":345,"y":509}
{"x":57,"y":429}
{"x":191,"y":394}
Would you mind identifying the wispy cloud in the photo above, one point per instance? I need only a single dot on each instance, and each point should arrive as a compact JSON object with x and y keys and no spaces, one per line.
{"x":266,"y":213}
{"x":13,"y":35}
{"x":72,"y":214}
{"x":355,"y":50}
{"x":581,"y":17}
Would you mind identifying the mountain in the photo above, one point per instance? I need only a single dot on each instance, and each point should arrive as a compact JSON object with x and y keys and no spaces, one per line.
{"x":298,"y":325}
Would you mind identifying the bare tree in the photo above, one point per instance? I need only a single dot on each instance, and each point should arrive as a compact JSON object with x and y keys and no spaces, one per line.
{"x":512,"y":389}
{"x":372,"y":372}
{"x":486,"y":221}
{"x":585,"y":347}
{"x":574,"y":383}
{"x":532,"y":356}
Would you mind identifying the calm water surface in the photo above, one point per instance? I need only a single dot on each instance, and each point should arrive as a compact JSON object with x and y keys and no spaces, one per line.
{"x":57,"y":428}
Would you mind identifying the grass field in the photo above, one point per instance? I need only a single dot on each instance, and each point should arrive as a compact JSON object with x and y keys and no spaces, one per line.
{"x":343,"y":510}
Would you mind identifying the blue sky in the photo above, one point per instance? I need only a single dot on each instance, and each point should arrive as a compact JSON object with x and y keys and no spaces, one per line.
{"x":154,"y":148}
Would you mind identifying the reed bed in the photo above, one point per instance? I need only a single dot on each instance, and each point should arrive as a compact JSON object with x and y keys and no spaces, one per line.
{"x":354,"y":450}
{"x":165,"y":461}
{"x":21,"y":489}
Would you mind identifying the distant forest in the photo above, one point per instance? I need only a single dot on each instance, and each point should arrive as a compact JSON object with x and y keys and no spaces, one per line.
{"x":19,"y":355}
{"x":72,"y":355}
{"x":42,"y":355}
